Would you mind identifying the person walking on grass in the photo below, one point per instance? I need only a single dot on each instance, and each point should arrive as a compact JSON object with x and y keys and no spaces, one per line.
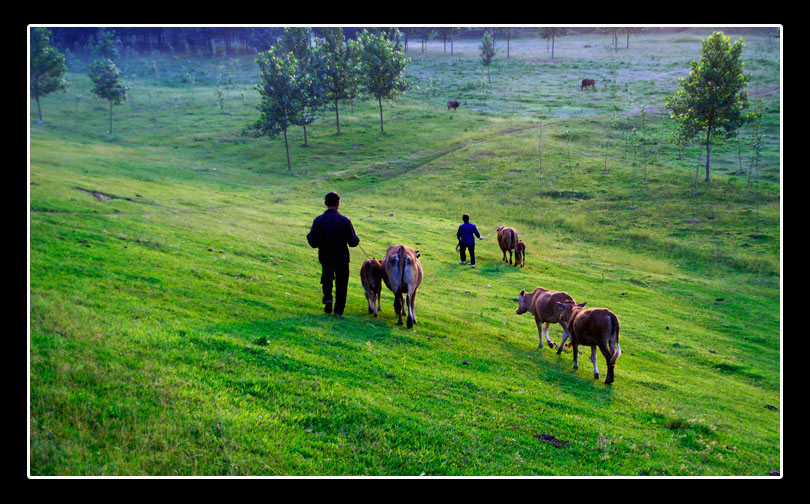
{"x":331,"y":233}
{"x":466,"y":240}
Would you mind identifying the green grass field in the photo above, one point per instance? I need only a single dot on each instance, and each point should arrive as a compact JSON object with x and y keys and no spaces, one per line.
{"x":176,"y":328}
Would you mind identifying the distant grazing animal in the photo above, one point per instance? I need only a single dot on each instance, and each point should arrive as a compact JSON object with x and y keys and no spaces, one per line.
{"x":452,"y":104}
{"x":543,"y":304}
{"x":508,"y":241}
{"x":588,"y":82}
{"x":371,"y":276}
{"x":592,"y":327}
{"x":520,"y":253}
{"x":402,"y":273}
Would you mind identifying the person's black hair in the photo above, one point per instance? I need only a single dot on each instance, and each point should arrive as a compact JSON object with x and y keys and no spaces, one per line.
{"x":465,"y":218}
{"x":332,"y":199}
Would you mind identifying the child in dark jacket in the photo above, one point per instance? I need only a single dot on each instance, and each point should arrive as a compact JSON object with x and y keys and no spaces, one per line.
{"x":466,"y":239}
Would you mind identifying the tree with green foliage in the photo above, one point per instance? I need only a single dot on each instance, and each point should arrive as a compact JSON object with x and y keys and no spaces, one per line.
{"x":487,"y":51}
{"x":340,"y":62}
{"x":282,"y":93}
{"x":298,"y":41}
{"x":552,"y":33}
{"x":382,"y":66}
{"x":712,"y":98}
{"x":47,"y":67}
{"x":108,"y":85}
{"x":106,"y":45}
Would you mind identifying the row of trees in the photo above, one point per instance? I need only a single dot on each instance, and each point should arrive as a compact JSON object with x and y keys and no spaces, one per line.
{"x":232,"y":40}
{"x":48,"y":69}
{"x":298,"y":78}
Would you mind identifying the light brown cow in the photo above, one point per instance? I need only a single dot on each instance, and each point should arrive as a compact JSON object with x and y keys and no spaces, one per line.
{"x":592,"y":327}
{"x":543,"y":304}
{"x":371,"y":276}
{"x":508,"y":241}
{"x":402,"y":273}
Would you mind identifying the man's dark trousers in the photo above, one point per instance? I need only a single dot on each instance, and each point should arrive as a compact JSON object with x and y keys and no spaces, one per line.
{"x":471,"y":249}
{"x":340,"y":274}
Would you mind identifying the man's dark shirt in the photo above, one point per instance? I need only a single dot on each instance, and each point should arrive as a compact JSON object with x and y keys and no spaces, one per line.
{"x":331,"y":232}
{"x":465,"y":234}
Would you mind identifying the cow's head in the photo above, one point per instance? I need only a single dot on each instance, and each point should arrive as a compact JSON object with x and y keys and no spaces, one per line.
{"x":566,"y":309}
{"x":524,"y":303}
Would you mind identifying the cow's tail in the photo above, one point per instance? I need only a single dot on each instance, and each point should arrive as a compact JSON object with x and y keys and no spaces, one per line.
{"x":614,"y":338}
{"x":514,"y":240}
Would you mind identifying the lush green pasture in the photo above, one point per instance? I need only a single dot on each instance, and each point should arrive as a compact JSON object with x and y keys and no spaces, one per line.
{"x":177,"y":329}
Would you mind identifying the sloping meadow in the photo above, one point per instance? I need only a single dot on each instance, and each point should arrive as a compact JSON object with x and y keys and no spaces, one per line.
{"x":176,"y":324}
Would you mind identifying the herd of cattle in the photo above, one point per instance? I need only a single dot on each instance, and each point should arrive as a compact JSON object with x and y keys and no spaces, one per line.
{"x":401,"y":272}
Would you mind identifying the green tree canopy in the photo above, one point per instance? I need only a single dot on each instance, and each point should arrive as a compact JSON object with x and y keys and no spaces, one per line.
{"x":382,"y":65}
{"x":487,"y":50}
{"x":107,"y":83}
{"x":47,"y":67}
{"x":282,"y":91}
{"x":106,"y":45}
{"x":713,"y":97}
{"x":340,"y":62}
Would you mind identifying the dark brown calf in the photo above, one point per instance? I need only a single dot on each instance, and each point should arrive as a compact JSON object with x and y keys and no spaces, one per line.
{"x":371,"y":276}
{"x":451,"y":104}
{"x":588,"y":82}
{"x":592,"y":327}
{"x":520,"y":253}
{"x":508,"y":241}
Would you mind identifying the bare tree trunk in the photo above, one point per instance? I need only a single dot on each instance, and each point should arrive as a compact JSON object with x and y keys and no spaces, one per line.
{"x":287,"y":148}
{"x":379,"y":100}
{"x":708,"y":153}
{"x":306,"y":144}
{"x":337,"y":116}
{"x":39,"y":110}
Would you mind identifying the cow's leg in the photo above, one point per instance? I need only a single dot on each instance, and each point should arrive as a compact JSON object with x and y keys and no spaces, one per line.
{"x":398,"y":307}
{"x":593,"y":359}
{"x":606,"y":352}
{"x":413,"y":306}
{"x":510,"y":257}
{"x":562,"y":343}
{"x":539,"y":331}
{"x":576,"y":354}
{"x":504,"y":256}
{"x":548,"y":339}
{"x":379,"y":296}
{"x":409,"y":306}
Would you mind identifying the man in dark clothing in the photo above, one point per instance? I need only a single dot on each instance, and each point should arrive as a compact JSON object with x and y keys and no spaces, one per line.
{"x":331,"y":232}
{"x":466,"y":239}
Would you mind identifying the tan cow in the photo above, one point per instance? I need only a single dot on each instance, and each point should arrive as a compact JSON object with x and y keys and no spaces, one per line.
{"x":543,"y":304}
{"x":592,"y":327}
{"x":508,"y":241}
{"x":402,"y":273}
{"x":371,"y":276}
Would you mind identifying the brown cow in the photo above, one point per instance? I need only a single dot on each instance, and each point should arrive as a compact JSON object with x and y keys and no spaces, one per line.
{"x":451,"y":104}
{"x":543,"y":305}
{"x":586,"y":83}
{"x":508,"y":241}
{"x":371,"y":276}
{"x":402,"y":273}
{"x":592,"y":327}
{"x":520,"y":254}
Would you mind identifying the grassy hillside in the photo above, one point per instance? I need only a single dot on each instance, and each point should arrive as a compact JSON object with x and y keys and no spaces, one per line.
{"x":176,"y":324}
